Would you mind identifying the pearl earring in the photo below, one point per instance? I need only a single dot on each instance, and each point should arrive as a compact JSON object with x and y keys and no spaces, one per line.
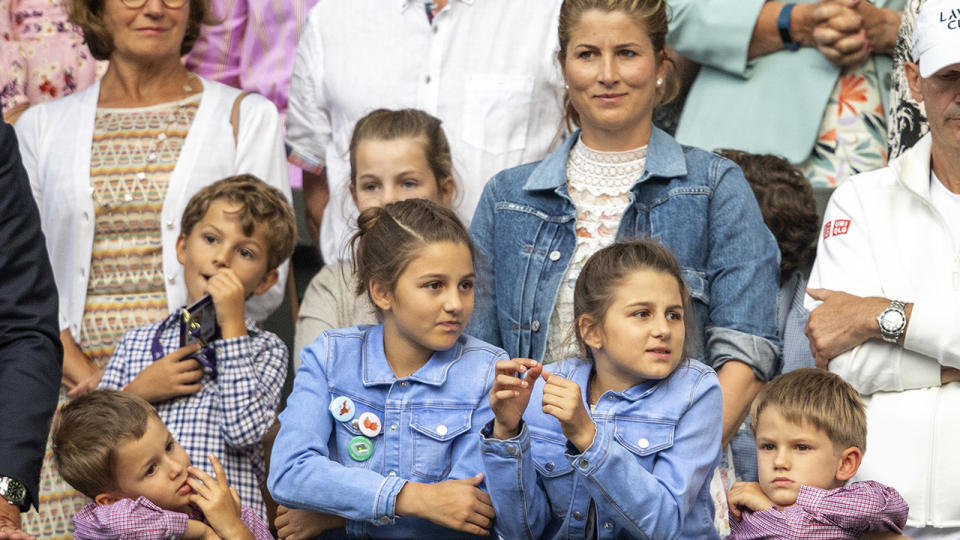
{"x":659,"y":82}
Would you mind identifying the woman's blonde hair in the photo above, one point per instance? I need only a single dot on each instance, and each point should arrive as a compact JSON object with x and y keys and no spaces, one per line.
{"x":651,"y":15}
{"x":88,"y":15}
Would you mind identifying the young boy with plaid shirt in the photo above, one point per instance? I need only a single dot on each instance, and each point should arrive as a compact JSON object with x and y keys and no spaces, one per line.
{"x":811,"y":432}
{"x":220,"y":399}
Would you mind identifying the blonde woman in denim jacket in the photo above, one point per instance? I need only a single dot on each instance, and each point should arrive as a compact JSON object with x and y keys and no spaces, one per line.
{"x":537,"y":223}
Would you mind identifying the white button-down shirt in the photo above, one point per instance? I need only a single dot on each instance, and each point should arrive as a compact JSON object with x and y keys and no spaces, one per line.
{"x":487,"y":68}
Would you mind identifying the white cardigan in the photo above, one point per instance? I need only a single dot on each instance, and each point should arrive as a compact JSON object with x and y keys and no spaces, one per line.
{"x":55,"y":140}
{"x":893,"y":243}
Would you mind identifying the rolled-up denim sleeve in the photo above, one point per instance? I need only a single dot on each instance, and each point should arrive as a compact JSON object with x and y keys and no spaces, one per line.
{"x":743,"y":269}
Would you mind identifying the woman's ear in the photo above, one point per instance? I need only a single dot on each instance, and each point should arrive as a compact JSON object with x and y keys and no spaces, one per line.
{"x":380,"y":294}
{"x":590,"y":331}
{"x":849,"y":463}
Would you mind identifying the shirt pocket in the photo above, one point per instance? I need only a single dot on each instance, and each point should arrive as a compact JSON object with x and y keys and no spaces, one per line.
{"x":555,"y":470}
{"x":496,"y":112}
{"x":644,"y":437}
{"x":434,"y":431}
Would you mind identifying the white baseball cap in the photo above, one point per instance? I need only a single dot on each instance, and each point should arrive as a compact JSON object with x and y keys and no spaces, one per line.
{"x":936,"y":36}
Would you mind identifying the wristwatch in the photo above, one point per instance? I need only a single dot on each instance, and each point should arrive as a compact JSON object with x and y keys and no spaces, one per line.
{"x":893,"y":321}
{"x":13,"y":491}
{"x":783,"y":25}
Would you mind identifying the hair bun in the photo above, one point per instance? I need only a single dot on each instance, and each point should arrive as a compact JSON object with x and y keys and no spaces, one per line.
{"x":368,"y":219}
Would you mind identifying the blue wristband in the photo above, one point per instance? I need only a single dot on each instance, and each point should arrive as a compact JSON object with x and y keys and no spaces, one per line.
{"x":783,"y":25}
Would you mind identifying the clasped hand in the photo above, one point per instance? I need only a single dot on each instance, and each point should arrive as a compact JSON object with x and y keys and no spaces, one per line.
{"x":847,"y":32}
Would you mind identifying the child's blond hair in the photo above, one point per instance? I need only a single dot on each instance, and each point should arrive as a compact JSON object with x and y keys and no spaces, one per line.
{"x":817,"y":397}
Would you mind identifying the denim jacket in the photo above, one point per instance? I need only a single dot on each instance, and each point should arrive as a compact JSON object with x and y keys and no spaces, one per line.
{"x":647,"y":471}
{"x":430,"y":423}
{"x":694,"y":202}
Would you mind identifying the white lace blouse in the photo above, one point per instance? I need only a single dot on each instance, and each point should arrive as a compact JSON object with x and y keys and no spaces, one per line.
{"x":598,"y":184}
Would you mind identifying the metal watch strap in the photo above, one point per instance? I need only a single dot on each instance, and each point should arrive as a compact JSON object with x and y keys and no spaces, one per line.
{"x":893,"y":337}
{"x":783,"y":25}
{"x":12,"y":490}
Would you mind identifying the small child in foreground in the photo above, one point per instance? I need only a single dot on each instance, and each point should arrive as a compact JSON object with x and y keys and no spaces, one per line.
{"x":113,"y":447}
{"x":811,"y":433}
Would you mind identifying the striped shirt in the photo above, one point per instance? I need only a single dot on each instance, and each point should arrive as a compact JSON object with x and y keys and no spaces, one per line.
{"x":253,"y":48}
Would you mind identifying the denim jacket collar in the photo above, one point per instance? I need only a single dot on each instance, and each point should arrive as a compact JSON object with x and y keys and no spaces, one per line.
{"x":664,"y":160}
{"x":580,"y":374}
{"x":376,"y":370}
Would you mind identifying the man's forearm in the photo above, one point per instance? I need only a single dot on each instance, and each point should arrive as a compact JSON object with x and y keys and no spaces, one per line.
{"x":739,"y":386}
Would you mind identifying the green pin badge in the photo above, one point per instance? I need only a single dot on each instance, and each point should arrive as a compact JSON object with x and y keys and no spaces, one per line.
{"x":361,"y":448}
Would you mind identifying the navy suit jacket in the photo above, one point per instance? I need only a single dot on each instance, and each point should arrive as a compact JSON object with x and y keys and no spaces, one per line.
{"x":30,"y":352}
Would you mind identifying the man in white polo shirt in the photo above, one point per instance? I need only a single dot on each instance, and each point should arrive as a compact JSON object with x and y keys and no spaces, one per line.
{"x":885,"y":292}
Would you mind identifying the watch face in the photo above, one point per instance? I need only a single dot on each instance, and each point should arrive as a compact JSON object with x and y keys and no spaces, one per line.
{"x":892,"y":321}
{"x":15,"y":492}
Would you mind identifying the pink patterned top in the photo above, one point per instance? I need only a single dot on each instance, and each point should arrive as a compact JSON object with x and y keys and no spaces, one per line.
{"x":837,"y":514}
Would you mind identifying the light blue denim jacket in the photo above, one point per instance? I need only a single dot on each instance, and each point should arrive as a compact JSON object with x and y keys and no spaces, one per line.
{"x":694,"y":202}
{"x":430,"y":424}
{"x":647,"y":471}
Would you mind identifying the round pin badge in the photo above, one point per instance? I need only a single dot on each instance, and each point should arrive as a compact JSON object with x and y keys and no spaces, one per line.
{"x":361,"y":448}
{"x":342,"y":408}
{"x":369,"y":424}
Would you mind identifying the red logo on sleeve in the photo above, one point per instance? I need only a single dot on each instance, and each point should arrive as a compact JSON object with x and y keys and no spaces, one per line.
{"x":840,"y":226}
{"x":826,"y":230}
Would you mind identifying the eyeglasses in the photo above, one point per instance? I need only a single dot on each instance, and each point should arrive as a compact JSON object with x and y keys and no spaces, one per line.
{"x":137,"y":4}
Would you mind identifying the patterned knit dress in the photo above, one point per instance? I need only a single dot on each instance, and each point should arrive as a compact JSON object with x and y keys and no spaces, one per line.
{"x":133,"y":154}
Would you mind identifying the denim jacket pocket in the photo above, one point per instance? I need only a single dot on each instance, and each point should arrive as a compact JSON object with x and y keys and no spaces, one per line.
{"x":434,"y":430}
{"x":644,"y":436}
{"x":555,"y":470}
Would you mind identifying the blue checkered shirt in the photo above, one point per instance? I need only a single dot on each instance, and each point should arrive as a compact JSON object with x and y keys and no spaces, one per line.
{"x":233,"y":410}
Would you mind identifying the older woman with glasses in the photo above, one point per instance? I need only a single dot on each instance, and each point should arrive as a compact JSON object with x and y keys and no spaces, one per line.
{"x":112,"y":168}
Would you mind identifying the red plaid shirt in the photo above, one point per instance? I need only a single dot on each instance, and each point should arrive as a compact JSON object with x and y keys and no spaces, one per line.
{"x":837,"y":514}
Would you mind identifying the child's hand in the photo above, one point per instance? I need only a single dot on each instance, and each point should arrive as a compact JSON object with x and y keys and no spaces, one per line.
{"x":171,"y":376}
{"x":218,"y":501}
{"x":293,"y":524}
{"x":454,"y":504}
{"x":563,"y":401}
{"x":747,"y":495}
{"x":509,"y":394}
{"x":228,"y":295}
{"x":198,"y":530}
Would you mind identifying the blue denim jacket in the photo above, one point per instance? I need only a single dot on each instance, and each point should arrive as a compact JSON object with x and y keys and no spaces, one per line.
{"x":647,"y":471}
{"x":430,"y":424}
{"x":694,"y":202}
